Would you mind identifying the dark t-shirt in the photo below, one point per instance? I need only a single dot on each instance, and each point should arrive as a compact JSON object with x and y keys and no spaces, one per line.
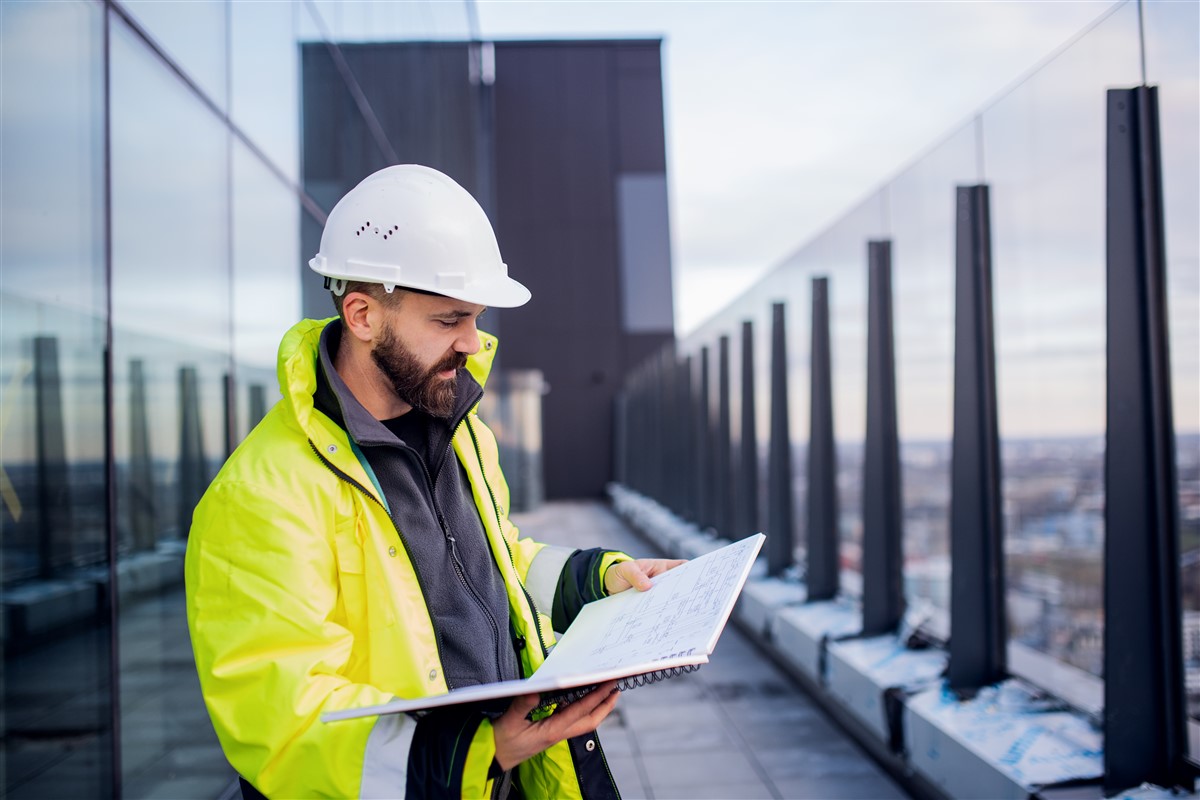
{"x":430,"y":437}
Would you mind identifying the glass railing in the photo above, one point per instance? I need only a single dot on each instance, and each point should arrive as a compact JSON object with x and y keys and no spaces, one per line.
{"x":1040,"y":148}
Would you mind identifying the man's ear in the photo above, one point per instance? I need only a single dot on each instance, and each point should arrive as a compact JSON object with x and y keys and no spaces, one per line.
{"x":361,"y":313}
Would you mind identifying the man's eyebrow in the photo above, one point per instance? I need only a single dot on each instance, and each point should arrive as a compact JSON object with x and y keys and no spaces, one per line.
{"x":457,"y":313}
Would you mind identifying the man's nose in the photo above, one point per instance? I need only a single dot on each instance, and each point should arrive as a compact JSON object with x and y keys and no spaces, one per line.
{"x":468,"y":342}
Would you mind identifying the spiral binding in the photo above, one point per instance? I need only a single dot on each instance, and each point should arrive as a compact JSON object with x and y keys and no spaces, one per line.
{"x":568,"y":696}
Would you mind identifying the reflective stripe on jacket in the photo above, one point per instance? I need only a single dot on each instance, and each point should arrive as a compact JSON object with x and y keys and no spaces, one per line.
{"x":301,"y":599}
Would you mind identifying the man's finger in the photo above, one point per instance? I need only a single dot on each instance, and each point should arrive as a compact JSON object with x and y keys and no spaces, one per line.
{"x":599,"y":712}
{"x":625,"y":574}
{"x":591,"y":712}
{"x":658,"y":566}
{"x":569,"y":715}
{"x":600,"y":694}
{"x":636,"y":575}
{"x":522,"y":704}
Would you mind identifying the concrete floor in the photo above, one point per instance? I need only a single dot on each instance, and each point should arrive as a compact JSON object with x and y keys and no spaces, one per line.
{"x":58,"y":742}
{"x":736,"y":728}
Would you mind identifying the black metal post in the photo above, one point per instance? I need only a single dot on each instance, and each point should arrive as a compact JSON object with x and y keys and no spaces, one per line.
{"x":644,"y":465}
{"x":704,"y":452}
{"x":687,"y":408}
{"x":641,"y":465}
{"x":653,"y":438}
{"x":677,"y":419}
{"x":230,"y":404}
{"x":193,"y":478}
{"x":780,"y":519}
{"x":978,"y":626}
{"x":54,"y":511}
{"x":666,"y":432}
{"x":142,"y":496}
{"x":821,"y":575}
{"x":1145,"y":722}
{"x":258,"y":404}
{"x":631,"y":429}
{"x":621,"y":435}
{"x":724,"y":461}
{"x":882,"y":564}
{"x":747,"y":493}
{"x":662,"y":464}
{"x":638,"y":397}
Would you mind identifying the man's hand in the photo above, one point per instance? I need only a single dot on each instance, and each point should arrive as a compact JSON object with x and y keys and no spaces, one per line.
{"x":637,"y":573}
{"x":518,"y":739}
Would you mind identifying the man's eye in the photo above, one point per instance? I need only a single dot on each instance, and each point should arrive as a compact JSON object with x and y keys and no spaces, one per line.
{"x":447,"y":323}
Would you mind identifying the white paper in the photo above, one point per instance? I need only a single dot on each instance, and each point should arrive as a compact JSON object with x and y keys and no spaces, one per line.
{"x":676,"y":623}
{"x":682,"y":616}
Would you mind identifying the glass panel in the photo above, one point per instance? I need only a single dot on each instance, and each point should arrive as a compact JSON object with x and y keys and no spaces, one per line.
{"x":266,"y":293}
{"x":1171,"y":64}
{"x":1041,"y":148}
{"x":194,"y":35}
{"x":56,"y":676}
{"x":265,"y":81}
{"x":1045,"y":160}
{"x":754,"y":305}
{"x":171,"y":343}
{"x":921,"y":203}
{"x":841,"y":254}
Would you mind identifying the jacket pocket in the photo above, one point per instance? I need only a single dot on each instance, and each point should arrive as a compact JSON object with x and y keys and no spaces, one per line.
{"x":349,"y":556}
{"x":352,"y":585}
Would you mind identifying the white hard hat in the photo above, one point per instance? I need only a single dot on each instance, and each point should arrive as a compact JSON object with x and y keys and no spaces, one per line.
{"x":413,"y":227}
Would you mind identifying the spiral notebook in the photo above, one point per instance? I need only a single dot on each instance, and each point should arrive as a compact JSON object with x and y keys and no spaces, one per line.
{"x":632,"y":637}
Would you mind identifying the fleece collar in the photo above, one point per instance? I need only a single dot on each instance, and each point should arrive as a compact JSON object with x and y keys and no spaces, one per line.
{"x":299,"y":357}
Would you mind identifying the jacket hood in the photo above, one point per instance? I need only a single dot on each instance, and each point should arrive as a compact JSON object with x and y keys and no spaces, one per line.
{"x":297,"y":364}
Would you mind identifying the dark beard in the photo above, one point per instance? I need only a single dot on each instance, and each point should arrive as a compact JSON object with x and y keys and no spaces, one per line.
{"x":420,"y":388}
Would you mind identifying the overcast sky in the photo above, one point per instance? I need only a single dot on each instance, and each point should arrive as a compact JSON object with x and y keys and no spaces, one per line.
{"x":781,"y":115}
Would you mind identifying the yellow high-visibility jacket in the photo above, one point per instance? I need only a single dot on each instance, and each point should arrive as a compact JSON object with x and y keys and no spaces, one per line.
{"x":301,"y":600}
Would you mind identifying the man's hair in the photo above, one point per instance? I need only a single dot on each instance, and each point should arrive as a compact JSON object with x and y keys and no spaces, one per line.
{"x":374,"y":290}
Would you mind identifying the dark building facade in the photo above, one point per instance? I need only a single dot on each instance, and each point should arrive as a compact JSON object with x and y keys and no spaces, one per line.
{"x":563,"y":143}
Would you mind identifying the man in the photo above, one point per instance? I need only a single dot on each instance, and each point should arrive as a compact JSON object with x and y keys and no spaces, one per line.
{"x":357,"y":547}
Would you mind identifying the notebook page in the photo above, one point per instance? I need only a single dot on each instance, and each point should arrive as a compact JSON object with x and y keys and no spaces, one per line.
{"x":679,"y":619}
{"x":674,"y":624}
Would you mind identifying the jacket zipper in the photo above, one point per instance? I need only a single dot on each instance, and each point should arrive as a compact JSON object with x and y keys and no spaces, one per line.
{"x":342,"y":476}
{"x":604,"y":761}
{"x":500,"y":528}
{"x":451,"y":542}
{"x":536,"y":622}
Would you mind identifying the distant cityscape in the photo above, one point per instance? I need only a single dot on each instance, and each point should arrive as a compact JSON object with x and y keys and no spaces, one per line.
{"x":1053,"y":517}
{"x":1053,"y":510}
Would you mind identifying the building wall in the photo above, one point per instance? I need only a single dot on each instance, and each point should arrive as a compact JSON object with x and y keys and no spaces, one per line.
{"x":427,"y":112}
{"x":565,"y":149}
{"x":579,"y":144}
{"x":150,"y":217}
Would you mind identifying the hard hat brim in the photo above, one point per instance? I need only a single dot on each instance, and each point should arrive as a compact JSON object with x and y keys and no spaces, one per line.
{"x":497,"y":291}
{"x":500,"y":292}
